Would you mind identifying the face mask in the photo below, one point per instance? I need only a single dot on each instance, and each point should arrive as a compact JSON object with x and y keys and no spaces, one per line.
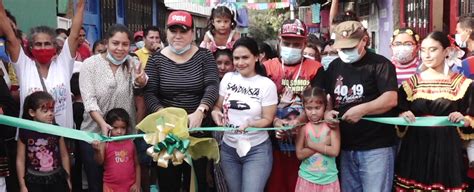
{"x":43,"y":56}
{"x":459,"y":41}
{"x":115,"y":61}
{"x":290,"y":55}
{"x":326,"y":60}
{"x":349,"y":55}
{"x":180,"y":51}
{"x":309,"y":57}
{"x":403,"y":53}
{"x":140,"y":44}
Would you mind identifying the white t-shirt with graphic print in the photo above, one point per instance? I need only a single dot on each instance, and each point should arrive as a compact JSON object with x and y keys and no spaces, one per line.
{"x":57,"y":83}
{"x":243,"y":101}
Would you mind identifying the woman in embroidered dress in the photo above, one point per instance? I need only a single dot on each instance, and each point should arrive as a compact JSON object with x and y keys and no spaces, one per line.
{"x":430,"y":158}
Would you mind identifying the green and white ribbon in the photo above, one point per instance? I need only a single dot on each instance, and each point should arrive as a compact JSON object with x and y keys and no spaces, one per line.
{"x":89,"y":137}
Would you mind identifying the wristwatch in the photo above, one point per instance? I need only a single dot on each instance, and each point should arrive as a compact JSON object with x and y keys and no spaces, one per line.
{"x":202,"y":109}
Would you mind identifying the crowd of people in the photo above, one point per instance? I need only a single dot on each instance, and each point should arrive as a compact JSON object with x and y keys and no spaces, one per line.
{"x":320,"y":87}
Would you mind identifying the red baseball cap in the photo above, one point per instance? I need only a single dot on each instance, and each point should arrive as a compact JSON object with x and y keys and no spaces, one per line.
{"x":181,"y":18}
{"x":293,"y":28}
{"x":138,"y":34}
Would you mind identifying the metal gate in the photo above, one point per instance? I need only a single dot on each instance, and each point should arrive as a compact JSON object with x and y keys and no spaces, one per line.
{"x":139,"y":14}
{"x":417,"y":15}
{"x":108,"y":12}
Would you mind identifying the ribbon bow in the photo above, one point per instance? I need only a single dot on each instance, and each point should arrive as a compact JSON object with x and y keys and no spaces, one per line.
{"x":167,"y":132}
{"x":171,"y":148}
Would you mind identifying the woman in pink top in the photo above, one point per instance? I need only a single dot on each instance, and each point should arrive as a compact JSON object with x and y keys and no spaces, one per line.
{"x":121,"y":166}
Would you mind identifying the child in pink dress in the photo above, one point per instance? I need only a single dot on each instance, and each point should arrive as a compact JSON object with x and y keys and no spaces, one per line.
{"x":121,"y":166}
{"x":317,"y":146}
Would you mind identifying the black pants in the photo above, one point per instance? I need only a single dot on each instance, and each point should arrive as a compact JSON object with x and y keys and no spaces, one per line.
{"x":56,"y":187}
{"x":174,"y":178}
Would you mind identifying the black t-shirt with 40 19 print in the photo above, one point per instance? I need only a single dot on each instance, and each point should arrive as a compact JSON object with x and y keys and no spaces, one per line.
{"x":357,"y":83}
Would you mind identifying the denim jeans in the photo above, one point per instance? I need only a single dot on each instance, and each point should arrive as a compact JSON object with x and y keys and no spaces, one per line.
{"x":94,"y":171}
{"x":368,"y":170}
{"x":248,"y":173}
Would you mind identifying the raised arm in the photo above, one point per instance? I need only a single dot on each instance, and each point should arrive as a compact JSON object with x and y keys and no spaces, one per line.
{"x":13,"y":44}
{"x":333,"y":13}
{"x":77,"y":20}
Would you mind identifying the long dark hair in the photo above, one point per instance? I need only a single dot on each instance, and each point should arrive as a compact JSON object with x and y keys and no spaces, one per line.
{"x":34,"y":102}
{"x":252,"y":46}
{"x":117,"y":114}
{"x":441,"y":37}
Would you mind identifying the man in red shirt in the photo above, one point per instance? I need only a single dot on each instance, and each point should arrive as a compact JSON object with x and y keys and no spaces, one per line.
{"x":292,"y":73}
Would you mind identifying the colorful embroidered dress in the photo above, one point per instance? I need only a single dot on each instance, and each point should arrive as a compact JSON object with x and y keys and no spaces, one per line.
{"x":430,"y":158}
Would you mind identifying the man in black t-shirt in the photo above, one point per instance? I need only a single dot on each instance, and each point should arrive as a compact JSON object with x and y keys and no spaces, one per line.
{"x":362,"y":84}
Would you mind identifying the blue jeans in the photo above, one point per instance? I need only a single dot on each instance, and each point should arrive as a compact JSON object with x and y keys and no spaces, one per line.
{"x":368,"y":170}
{"x":248,"y":173}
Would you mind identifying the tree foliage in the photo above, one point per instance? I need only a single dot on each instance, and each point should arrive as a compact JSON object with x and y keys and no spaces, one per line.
{"x":264,"y":24}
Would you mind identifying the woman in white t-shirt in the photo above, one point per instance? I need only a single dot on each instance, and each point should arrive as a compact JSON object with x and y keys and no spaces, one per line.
{"x":47,"y":70}
{"x":247,"y":98}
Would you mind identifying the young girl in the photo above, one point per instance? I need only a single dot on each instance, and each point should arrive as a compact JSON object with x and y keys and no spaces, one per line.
{"x":317,"y":145}
{"x":221,"y":25}
{"x":119,"y":158}
{"x":42,"y":160}
{"x":224,"y":61}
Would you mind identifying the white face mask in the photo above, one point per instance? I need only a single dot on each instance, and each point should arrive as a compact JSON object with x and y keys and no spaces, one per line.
{"x":290,"y":55}
{"x":114,"y":61}
{"x":403,"y":53}
{"x":140,"y":44}
{"x":349,"y":55}
{"x":180,"y":51}
{"x":309,"y":57}
{"x":326,"y":60}
{"x":459,"y":41}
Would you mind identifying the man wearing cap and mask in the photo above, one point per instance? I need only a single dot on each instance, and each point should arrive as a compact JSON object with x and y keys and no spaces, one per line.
{"x":292,"y":73}
{"x":362,"y":84}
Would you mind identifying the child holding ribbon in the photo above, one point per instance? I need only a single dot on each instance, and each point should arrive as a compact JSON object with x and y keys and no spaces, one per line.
{"x":42,"y":160}
{"x":119,"y":158}
{"x":317,"y":146}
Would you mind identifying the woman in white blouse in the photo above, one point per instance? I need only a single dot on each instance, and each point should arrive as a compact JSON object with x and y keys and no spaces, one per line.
{"x":106,"y":81}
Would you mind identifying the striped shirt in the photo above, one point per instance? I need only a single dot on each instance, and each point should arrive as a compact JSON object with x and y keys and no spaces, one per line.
{"x":404,"y":72}
{"x":184,"y":85}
